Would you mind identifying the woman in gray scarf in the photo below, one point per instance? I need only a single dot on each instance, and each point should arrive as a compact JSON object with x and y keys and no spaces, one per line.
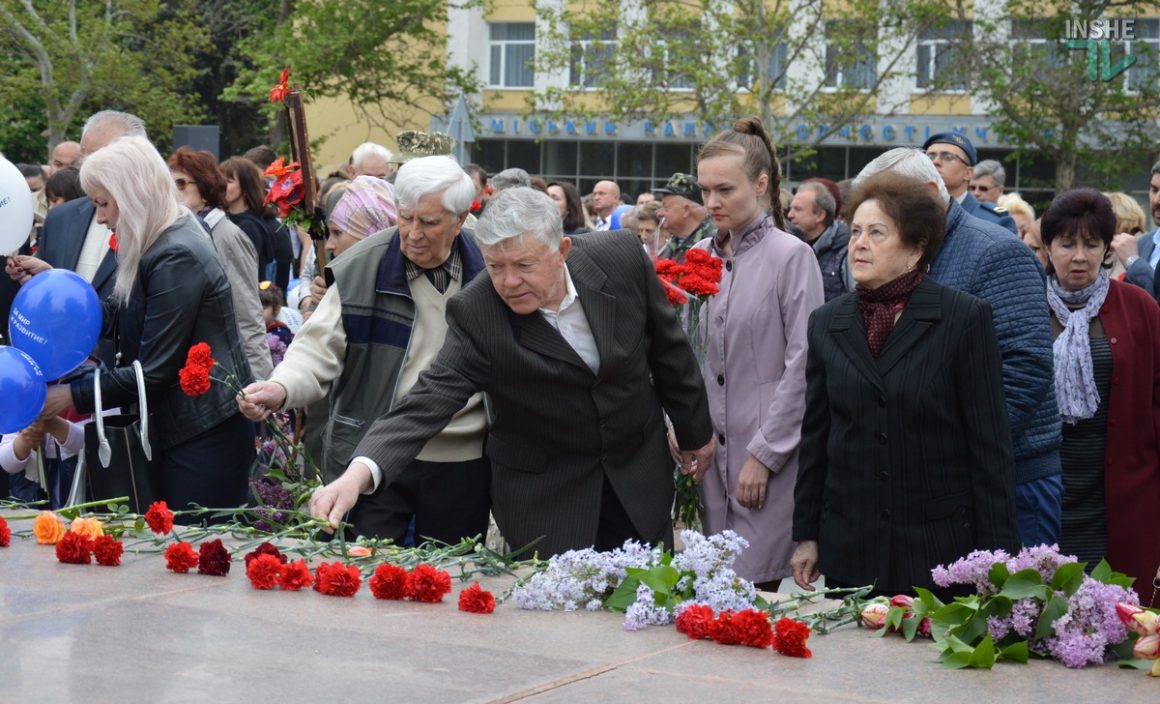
{"x":1107,"y":379}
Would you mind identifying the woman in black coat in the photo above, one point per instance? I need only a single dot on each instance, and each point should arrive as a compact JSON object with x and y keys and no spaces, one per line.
{"x":906,"y":459}
{"x":171,"y":293}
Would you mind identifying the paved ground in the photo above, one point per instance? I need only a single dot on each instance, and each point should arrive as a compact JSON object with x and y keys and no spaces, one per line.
{"x":138,"y":633}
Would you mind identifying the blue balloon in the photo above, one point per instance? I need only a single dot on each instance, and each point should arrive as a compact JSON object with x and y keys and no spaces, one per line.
{"x":620,"y":212}
{"x":22,"y":388}
{"x":56,"y":319}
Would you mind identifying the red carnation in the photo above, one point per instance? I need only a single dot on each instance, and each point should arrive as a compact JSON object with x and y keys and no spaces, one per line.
{"x":200,"y":355}
{"x":107,"y":550}
{"x":675,"y":295}
{"x":265,"y":549}
{"x":754,"y":628}
{"x":113,"y":245}
{"x":159,"y":517}
{"x":5,"y":533}
{"x":74,"y":549}
{"x":213,"y":559}
{"x":425,"y":583}
{"x":180,"y":557}
{"x":476,"y":206}
{"x":389,"y":582}
{"x":476,"y":600}
{"x":194,"y":381}
{"x":697,"y":256}
{"x":295,"y":576}
{"x":698,"y":285}
{"x":338,"y":579}
{"x":669,"y":267}
{"x":263,"y":571}
{"x":695,"y":621}
{"x":725,"y":630}
{"x":319,"y":573}
{"x":790,"y":638}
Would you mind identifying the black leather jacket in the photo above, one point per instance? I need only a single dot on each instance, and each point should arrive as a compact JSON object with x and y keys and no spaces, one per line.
{"x":181,"y":297}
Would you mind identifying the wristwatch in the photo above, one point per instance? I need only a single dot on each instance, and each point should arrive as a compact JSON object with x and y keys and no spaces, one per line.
{"x":1131,"y":260}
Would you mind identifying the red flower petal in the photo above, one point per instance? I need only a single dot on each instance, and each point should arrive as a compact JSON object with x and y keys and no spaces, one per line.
{"x":295,"y":576}
{"x":264,"y":571}
{"x":74,"y":549}
{"x":180,"y":557}
{"x":389,"y":582}
{"x":107,"y":551}
{"x":5,"y":533}
{"x":159,"y":518}
{"x":427,"y":584}
{"x":476,"y":600}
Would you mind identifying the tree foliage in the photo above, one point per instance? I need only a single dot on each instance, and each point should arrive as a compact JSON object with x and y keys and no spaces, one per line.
{"x":789,"y":61}
{"x":78,"y":56}
{"x":1042,"y":99}
{"x":387,"y":58}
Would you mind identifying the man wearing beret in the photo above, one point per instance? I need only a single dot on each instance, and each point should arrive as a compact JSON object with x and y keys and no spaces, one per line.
{"x":684,"y":215}
{"x":954,"y":157}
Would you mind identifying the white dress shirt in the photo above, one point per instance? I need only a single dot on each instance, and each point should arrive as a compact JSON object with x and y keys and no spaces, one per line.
{"x":93,"y":250}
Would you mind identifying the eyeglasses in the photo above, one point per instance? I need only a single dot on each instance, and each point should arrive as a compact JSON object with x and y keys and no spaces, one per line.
{"x":978,"y":187}
{"x":182,"y":183}
{"x":946,"y":157}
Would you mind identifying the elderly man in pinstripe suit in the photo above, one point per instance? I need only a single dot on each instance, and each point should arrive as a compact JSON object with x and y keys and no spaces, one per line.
{"x":582,"y":357}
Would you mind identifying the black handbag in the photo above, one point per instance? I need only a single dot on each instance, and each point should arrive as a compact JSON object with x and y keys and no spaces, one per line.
{"x":118,"y":457}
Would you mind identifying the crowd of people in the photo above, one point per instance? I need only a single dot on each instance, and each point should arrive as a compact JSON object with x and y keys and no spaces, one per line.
{"x":897,"y":369}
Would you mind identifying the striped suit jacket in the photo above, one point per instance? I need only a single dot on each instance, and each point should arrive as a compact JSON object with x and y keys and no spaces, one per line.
{"x":557,"y":428}
{"x":906,"y":461}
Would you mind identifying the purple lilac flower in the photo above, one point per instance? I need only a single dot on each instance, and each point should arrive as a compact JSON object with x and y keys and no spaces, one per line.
{"x":277,"y":348}
{"x":1045,"y":559}
{"x":972,"y":569}
{"x":274,"y":503}
{"x":582,"y":577}
{"x":644,"y":612}
{"x":1090,"y":624}
{"x":1022,"y":619}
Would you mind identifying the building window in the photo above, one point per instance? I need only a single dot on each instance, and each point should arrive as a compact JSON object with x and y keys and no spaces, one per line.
{"x":941,"y":64}
{"x":1145,"y":47}
{"x":748,"y":76}
{"x":673,"y":79}
{"x":850,"y":63}
{"x":590,"y":56}
{"x":1037,"y":42}
{"x":513,"y":48}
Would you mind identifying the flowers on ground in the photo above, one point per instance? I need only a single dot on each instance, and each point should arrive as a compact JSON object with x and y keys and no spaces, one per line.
{"x":389,"y":582}
{"x":337,"y":579}
{"x":180,"y":557}
{"x":213,"y":559}
{"x":476,"y":600}
{"x":264,"y":571}
{"x":74,"y":549}
{"x":5,"y":533}
{"x":295,"y":576}
{"x":48,"y":528}
{"x":90,"y":528}
{"x":159,"y":518}
{"x":1039,"y":601}
{"x":425,"y":583}
{"x":790,"y":638}
{"x":107,"y":551}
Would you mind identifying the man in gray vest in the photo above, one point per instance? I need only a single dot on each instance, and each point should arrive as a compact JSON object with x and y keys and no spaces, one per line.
{"x":379,"y":325}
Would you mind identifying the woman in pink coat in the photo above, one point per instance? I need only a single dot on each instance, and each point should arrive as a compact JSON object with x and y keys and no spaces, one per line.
{"x":755,"y":350}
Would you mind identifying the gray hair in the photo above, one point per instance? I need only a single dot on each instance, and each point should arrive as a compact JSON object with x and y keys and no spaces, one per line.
{"x":435,"y":174}
{"x":138,"y":180}
{"x":124,"y":123}
{"x":518,"y":211}
{"x":509,"y":178}
{"x":992,"y":168}
{"x":367,"y":149}
{"x":1156,"y":168}
{"x":823,"y":199}
{"x":905,"y":161}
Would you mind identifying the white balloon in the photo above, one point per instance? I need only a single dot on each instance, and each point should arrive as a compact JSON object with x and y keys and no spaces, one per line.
{"x":16,"y":207}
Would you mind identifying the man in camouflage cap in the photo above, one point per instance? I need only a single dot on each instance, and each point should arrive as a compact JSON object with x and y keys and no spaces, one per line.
{"x":684,"y":216}
{"x":414,"y":144}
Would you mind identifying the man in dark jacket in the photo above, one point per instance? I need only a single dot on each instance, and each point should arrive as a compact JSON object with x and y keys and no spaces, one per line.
{"x":954,"y":157}
{"x":581,"y":361}
{"x":813,"y":211}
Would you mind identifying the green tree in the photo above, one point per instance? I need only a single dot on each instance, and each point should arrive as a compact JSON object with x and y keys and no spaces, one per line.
{"x":1043,"y":99}
{"x":788,"y":61}
{"x":387,"y":58}
{"x":77,"y":56}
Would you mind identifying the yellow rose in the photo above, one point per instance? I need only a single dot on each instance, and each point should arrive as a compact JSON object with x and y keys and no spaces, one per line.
{"x":48,"y":528}
{"x":90,"y":528}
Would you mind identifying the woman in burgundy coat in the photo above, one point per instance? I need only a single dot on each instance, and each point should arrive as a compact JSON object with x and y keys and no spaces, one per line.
{"x":1107,"y":377}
